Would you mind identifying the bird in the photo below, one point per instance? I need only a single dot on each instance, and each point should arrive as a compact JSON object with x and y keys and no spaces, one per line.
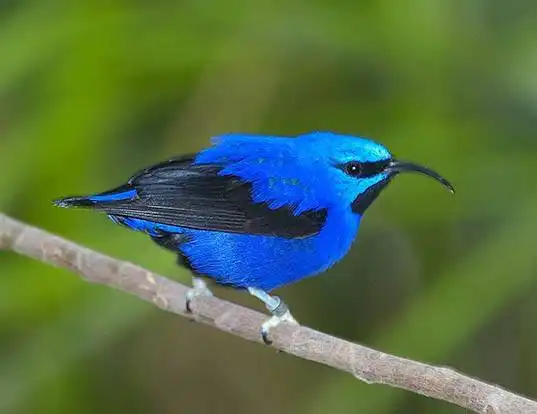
{"x":256,"y":212}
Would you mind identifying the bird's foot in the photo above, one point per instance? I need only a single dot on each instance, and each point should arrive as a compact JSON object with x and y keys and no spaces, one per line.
{"x":280,"y":313}
{"x":199,"y":288}
{"x":276,"y":306}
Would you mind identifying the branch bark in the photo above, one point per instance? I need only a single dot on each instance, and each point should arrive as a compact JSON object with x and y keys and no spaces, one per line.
{"x":369,"y":365}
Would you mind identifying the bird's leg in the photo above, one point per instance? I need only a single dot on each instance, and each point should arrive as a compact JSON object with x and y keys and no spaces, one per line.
{"x":199,"y":288}
{"x":276,"y":306}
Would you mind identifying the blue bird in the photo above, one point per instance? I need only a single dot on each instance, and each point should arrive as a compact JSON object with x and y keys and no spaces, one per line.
{"x":256,"y":212}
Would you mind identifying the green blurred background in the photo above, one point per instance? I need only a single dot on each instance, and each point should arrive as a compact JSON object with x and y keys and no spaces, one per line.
{"x":92,"y":91}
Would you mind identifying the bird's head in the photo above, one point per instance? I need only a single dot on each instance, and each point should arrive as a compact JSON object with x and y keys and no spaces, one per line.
{"x":359,"y":168}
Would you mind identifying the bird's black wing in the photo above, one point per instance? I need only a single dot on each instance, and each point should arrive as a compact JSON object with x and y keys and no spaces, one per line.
{"x":178,"y":193}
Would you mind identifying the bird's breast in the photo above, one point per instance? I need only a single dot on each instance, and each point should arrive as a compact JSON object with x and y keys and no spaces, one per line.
{"x":267,"y":262}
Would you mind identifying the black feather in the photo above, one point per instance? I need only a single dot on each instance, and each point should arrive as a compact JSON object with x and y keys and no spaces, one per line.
{"x":179,"y":193}
{"x":68,"y":202}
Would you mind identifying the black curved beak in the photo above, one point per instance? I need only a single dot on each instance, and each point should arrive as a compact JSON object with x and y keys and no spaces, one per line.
{"x":396,"y":167}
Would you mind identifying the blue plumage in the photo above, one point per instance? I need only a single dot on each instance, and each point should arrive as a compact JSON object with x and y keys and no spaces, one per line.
{"x":257,"y":212}
{"x":122,"y":195}
{"x":267,"y":263}
{"x":298,"y":172}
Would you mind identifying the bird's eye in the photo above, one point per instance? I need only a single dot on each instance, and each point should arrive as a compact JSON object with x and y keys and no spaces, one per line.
{"x":354,"y":169}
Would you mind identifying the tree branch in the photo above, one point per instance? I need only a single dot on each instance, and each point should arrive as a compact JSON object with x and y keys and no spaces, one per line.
{"x":364,"y":363}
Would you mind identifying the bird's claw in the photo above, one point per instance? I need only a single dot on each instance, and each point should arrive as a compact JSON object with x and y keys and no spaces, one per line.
{"x":275,"y":321}
{"x":199,"y":289}
{"x":276,"y":306}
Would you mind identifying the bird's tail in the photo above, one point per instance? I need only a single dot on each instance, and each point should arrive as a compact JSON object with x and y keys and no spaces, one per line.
{"x":75,"y":201}
{"x":122,"y":193}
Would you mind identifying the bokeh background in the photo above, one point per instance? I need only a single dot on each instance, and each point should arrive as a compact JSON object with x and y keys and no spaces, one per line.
{"x":93,"y":91}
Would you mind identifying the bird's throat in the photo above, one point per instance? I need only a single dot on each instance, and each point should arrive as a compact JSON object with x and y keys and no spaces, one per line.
{"x":364,"y":200}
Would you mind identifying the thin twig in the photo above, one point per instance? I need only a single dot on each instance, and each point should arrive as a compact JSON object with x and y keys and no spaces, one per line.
{"x":364,"y":363}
